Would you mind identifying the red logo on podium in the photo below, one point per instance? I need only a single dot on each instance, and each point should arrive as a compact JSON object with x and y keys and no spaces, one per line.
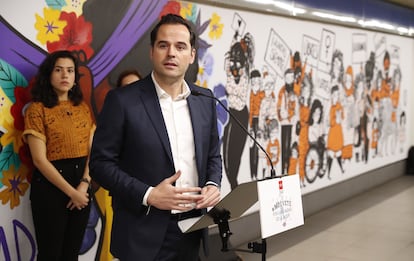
{"x":280,"y":184}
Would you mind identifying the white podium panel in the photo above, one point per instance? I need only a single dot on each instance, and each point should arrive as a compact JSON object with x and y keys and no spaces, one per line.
{"x":280,"y":201}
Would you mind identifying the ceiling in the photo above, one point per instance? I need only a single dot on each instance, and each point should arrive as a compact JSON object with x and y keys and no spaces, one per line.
{"x":405,"y":3}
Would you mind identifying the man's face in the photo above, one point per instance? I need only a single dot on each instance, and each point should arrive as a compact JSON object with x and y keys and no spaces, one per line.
{"x":256,"y":83}
{"x":172,"y":52}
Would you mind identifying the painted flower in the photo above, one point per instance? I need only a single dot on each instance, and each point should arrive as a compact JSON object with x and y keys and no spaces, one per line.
{"x":49,"y":27}
{"x":205,"y":69}
{"x":216,"y":28}
{"x":5,"y":105}
{"x":15,"y":184}
{"x":23,"y":98}
{"x":222,"y":115}
{"x":189,"y":11}
{"x":12,"y":136}
{"x":74,"y":6}
{"x":77,"y":35}
{"x":200,"y":28}
{"x":172,"y":7}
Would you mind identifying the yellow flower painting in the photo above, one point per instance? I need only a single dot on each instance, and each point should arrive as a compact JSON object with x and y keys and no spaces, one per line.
{"x":15,"y":184}
{"x":49,"y":27}
{"x":216,"y":28}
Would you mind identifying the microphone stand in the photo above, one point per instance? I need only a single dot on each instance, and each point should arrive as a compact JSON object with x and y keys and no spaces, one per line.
{"x":221,"y":217}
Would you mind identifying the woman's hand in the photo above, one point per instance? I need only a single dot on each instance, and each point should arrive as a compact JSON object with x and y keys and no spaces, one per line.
{"x":79,"y":198}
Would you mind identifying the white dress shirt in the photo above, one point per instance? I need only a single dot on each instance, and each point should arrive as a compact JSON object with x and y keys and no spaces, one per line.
{"x":180,"y":133}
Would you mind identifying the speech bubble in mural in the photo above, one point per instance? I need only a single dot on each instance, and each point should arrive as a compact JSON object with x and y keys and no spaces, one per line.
{"x":277,"y":54}
{"x":327,"y":46}
{"x":380,"y":45}
{"x":359,"y":48}
{"x":310,"y":50}
{"x":238,"y":24}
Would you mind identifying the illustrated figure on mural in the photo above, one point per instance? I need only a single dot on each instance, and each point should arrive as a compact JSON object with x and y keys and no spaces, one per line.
{"x":238,"y":62}
{"x":316,"y":161}
{"x":269,"y":127}
{"x":385,"y":108}
{"x":305,"y":98}
{"x":395,"y":100}
{"x":350,"y":115}
{"x":335,"y":136}
{"x":359,"y":140}
{"x":256,"y":96}
{"x":287,"y":111}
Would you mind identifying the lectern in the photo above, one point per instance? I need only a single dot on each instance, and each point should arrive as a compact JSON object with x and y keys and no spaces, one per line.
{"x":280,"y":202}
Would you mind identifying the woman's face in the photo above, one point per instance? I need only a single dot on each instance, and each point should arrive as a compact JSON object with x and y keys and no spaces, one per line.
{"x":62,"y":77}
{"x":337,"y":66}
{"x":316,"y":115}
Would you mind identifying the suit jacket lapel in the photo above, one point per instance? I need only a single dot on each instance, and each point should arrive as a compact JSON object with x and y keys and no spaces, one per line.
{"x":151,"y":103}
{"x":196,"y":117}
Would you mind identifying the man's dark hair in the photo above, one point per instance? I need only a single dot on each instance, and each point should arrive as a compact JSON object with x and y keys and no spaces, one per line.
{"x":42,"y":90}
{"x":173,"y":19}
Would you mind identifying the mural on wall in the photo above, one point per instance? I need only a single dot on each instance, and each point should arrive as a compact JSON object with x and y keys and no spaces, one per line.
{"x":326,"y":102}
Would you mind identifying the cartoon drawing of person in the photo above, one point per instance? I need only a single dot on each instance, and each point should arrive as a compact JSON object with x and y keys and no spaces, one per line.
{"x":287,"y":111}
{"x":267,"y":113}
{"x":299,"y":71}
{"x":385,"y":109}
{"x":395,"y":97}
{"x":335,"y":135}
{"x":359,"y":140}
{"x":304,"y":113}
{"x":316,"y":128}
{"x":238,"y":62}
{"x":350,"y":115}
{"x":315,"y":162}
{"x":256,"y":96}
{"x":337,"y":68}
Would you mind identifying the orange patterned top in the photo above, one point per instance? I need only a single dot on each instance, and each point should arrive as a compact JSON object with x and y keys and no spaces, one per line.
{"x":65,"y":128}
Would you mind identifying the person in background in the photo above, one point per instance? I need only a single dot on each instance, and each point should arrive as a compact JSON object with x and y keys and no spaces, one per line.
{"x":128,"y":76}
{"x":59,"y":129}
{"x":156,"y":149}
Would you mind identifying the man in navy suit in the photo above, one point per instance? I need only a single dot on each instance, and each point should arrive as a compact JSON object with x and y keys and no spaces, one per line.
{"x":156,"y":149}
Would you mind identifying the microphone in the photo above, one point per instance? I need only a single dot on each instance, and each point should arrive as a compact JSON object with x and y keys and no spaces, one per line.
{"x":272,"y":170}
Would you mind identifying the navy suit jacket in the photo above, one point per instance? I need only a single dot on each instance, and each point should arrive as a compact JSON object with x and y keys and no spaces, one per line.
{"x":131,"y":151}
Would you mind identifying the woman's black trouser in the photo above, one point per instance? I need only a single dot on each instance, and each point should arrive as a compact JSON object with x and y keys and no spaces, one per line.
{"x":59,"y":230}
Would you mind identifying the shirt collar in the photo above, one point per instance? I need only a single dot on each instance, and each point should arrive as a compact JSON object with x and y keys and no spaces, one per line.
{"x":163,"y":94}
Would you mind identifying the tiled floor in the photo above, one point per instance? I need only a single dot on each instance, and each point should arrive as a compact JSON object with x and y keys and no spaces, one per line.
{"x":377,"y":225}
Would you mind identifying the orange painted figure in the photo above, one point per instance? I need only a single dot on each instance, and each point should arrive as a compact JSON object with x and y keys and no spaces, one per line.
{"x":256,"y":96}
{"x":335,"y":135}
{"x":304,"y":113}
{"x":350,"y":115}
